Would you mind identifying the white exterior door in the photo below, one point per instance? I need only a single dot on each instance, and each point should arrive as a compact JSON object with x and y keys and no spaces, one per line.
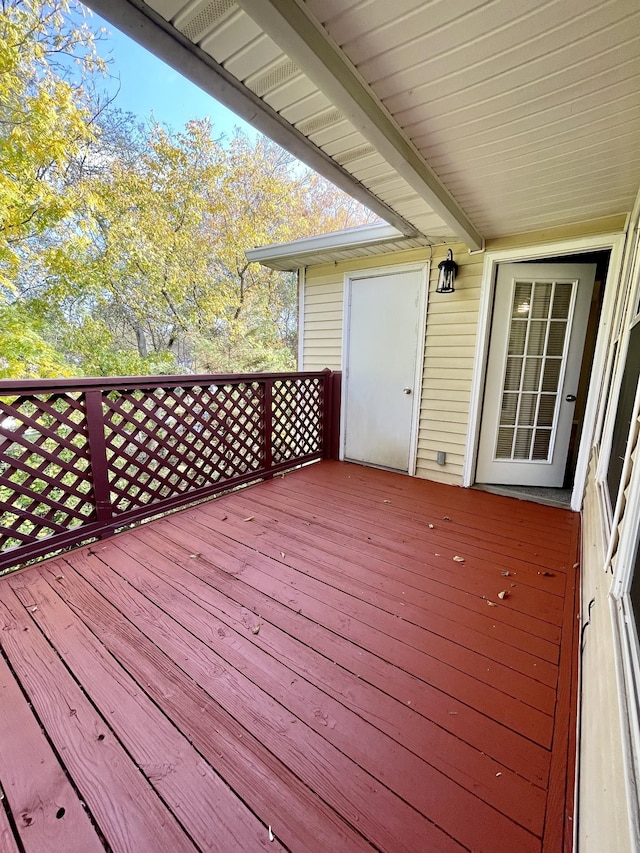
{"x":537,"y":338}
{"x":384,"y":338}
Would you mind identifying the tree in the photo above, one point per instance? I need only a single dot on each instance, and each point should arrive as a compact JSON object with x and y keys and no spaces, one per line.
{"x":122,"y":246}
{"x":45,"y":121}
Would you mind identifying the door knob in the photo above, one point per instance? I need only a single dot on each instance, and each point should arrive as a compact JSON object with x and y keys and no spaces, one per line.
{"x":570,"y":398}
{"x":406,"y":390}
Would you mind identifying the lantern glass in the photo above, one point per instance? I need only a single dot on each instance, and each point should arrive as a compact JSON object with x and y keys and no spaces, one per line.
{"x":447,"y":273}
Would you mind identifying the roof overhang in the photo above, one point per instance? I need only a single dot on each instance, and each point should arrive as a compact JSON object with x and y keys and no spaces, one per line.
{"x":464,"y":120}
{"x":338,"y":246}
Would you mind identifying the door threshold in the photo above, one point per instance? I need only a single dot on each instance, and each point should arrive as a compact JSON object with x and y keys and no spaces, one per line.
{"x":536,"y":494}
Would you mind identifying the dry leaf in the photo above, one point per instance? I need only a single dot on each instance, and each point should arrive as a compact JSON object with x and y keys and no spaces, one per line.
{"x":459,"y":559}
{"x":386,"y":502}
{"x":502,"y":595}
{"x":546,"y":574}
{"x":193,"y":556}
{"x":250,"y":518}
{"x":59,"y":577}
{"x":256,"y":630}
{"x":453,"y":713}
{"x":491,"y":603}
{"x":431,"y":526}
{"x":498,"y":774}
{"x":271,"y":835}
{"x":308,"y":523}
{"x":505,"y":574}
{"x":282,"y":554}
{"x":446,"y":518}
{"x":33,"y":609}
{"x":225,"y":517}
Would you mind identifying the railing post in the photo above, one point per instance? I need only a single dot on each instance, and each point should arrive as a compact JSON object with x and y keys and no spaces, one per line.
{"x":327,"y":412}
{"x":331,"y":390}
{"x":98,"y":454}
{"x":268,"y":425}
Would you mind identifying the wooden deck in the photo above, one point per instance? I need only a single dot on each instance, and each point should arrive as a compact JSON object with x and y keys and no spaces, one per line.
{"x":325,"y":654}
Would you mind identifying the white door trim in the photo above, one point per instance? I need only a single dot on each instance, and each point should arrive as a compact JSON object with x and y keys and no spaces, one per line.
{"x":613,"y":242}
{"x":422,"y":267}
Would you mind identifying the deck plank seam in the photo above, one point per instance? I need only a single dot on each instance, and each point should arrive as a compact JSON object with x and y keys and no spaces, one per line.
{"x":417,"y":645}
{"x":32,"y":709}
{"x":176,"y":617}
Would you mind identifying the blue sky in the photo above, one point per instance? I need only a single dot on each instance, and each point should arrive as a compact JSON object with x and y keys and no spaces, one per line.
{"x":148,"y":86}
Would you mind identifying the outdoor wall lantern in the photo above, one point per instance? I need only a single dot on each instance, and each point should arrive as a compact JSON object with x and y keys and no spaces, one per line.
{"x":448,"y":269}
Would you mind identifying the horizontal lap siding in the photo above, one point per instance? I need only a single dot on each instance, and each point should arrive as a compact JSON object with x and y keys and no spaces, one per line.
{"x":322,"y":340}
{"x":449,"y":348}
{"x":452,"y":325}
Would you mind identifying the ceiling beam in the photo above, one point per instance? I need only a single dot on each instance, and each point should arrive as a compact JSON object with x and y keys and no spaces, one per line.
{"x":141,"y":23}
{"x":305,"y":41}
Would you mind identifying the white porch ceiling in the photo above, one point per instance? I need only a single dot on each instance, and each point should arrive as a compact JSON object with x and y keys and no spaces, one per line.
{"x":473,"y":118}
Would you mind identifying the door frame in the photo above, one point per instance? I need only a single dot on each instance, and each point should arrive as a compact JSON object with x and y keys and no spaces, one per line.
{"x":613,"y":242}
{"x":423,"y":268}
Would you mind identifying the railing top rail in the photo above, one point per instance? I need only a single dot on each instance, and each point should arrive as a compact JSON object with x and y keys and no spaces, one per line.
{"x":10,"y":387}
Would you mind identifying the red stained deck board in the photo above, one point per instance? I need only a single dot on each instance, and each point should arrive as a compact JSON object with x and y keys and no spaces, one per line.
{"x":466,"y":766}
{"x":484,"y":734}
{"x":355,"y":576}
{"x":33,"y":781}
{"x":459,"y":662}
{"x":386,"y":817}
{"x":542,"y":602}
{"x":215,"y":816}
{"x":123,"y":804}
{"x":270,"y":789}
{"x":409,"y":516}
{"x":355,"y":722}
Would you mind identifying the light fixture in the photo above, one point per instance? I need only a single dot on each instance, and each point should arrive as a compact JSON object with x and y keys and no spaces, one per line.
{"x":448,"y":269}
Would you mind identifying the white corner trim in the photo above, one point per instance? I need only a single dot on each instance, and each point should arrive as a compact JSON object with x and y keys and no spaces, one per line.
{"x":302,"y":281}
{"x":613,"y":242}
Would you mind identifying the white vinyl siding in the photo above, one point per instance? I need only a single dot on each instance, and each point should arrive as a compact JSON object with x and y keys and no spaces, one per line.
{"x":449,"y":348}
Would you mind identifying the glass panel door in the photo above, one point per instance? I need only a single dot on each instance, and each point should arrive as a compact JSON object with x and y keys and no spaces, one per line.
{"x":537,"y":347}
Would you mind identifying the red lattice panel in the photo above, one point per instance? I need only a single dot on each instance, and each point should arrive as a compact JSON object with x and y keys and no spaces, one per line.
{"x":163,"y":442}
{"x":297,"y":418}
{"x":45,"y":473}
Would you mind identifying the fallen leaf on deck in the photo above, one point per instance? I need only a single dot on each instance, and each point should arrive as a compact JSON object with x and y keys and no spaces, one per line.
{"x":256,"y":630}
{"x":33,"y":609}
{"x":271,"y":835}
{"x":453,"y":713}
{"x":575,"y":565}
{"x":225,"y":517}
{"x":193,"y":556}
{"x":491,"y":603}
{"x":250,"y":518}
{"x":458,"y":559}
{"x":59,"y":577}
{"x":446,"y":518}
{"x":505,"y":574}
{"x":498,"y":774}
{"x":502,"y":595}
{"x":282,"y":554}
{"x":546,"y":574}
{"x":308,"y":523}
{"x":386,"y":502}
{"x":431,"y":526}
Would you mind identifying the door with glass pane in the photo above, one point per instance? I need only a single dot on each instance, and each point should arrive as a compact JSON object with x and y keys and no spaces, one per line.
{"x":537,"y":338}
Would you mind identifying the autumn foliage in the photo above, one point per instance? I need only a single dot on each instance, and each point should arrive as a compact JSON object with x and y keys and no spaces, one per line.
{"x":122,"y":242}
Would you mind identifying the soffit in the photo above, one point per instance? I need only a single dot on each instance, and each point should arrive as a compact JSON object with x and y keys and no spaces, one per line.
{"x":527,"y":113}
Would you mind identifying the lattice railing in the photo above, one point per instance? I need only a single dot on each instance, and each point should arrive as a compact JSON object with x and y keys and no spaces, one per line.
{"x":80,"y":458}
